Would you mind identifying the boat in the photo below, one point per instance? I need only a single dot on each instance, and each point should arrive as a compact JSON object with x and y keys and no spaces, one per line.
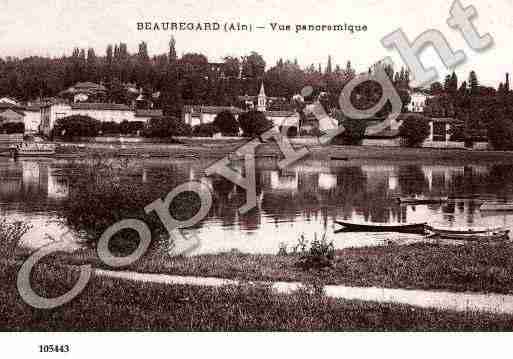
{"x":458,"y":231}
{"x":470,"y":234}
{"x":421,"y":200}
{"x":29,"y":149}
{"x":384,"y":227}
{"x":496,"y":206}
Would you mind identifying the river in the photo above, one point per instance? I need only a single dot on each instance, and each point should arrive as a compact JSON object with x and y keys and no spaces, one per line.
{"x":304,"y":199}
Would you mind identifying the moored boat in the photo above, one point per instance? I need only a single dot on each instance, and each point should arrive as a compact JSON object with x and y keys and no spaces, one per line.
{"x":421,"y":200}
{"x":496,"y":206}
{"x":470,"y":234}
{"x":384,"y":227}
{"x":27,"y":149}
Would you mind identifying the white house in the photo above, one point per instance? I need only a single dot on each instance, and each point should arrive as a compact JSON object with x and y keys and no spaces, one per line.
{"x":418,"y":101}
{"x":104,"y":112}
{"x":32,"y":118}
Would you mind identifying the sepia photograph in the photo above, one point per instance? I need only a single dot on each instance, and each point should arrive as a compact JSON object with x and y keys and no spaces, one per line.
{"x":264,"y":166}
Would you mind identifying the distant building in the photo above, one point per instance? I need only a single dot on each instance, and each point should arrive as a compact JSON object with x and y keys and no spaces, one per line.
{"x":85,"y":91}
{"x":32,"y":117}
{"x":194,"y":115}
{"x":103,"y":112}
{"x":418,"y":101}
{"x":199,"y":114}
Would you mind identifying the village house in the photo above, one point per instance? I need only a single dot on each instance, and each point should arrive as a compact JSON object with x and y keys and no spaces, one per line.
{"x":418,"y":101}
{"x":103,"y":112}
{"x":194,"y":115}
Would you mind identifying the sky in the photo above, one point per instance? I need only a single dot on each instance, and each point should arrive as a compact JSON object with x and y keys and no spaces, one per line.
{"x":55,"y":27}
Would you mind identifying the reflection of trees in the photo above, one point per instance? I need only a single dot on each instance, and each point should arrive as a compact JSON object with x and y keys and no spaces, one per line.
{"x":500,"y":180}
{"x":411,"y":179}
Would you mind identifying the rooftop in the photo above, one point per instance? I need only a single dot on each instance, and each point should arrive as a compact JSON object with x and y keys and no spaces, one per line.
{"x":210,"y":109}
{"x":100,"y":106}
{"x":148,"y":113}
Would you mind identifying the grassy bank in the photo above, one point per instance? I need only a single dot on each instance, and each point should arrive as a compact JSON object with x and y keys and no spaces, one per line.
{"x":109,"y":304}
{"x":220,"y":148}
{"x":471,"y":267}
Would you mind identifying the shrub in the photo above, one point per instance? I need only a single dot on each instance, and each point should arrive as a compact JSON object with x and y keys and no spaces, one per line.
{"x":110,"y":128}
{"x":500,"y":134}
{"x":205,"y":130}
{"x":10,"y":235}
{"x":319,"y":254}
{"x":254,"y":123}
{"x":354,"y":129}
{"x":226,"y":123}
{"x":414,"y":131}
{"x":77,"y":125}
{"x":131,"y":127}
{"x":12,"y":127}
{"x":162,"y":127}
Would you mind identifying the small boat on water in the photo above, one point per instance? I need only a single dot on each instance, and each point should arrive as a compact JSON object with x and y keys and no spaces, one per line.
{"x":421,"y":200}
{"x":384,"y":227}
{"x":496,"y":206}
{"x":470,"y":234}
{"x":33,"y":149}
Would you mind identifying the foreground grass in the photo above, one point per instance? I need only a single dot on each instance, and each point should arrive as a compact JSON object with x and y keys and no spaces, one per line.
{"x":473,"y":267}
{"x":112,"y":305}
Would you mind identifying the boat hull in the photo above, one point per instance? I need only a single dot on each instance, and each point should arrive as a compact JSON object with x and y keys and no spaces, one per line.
{"x":376,"y":227}
{"x":487,"y":206}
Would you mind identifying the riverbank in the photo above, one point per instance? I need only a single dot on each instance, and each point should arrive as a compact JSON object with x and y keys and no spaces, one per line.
{"x":113,"y":304}
{"x":481,"y":268}
{"x":219,"y":148}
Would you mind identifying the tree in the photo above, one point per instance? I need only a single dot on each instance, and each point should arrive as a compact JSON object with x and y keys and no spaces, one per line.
{"x":473,"y":83}
{"x":354,"y":129}
{"x":205,"y":130}
{"x":254,"y":123}
{"x":172,"y":50}
{"x":500,"y":132}
{"x":231,"y":67}
{"x":253,"y":66}
{"x":226,"y":123}
{"x":12,"y":127}
{"x":164,"y":127}
{"x":414,"y":131}
{"x":77,"y":126}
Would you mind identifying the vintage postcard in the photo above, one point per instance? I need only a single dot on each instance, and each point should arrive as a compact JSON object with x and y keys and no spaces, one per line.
{"x":299,"y":166}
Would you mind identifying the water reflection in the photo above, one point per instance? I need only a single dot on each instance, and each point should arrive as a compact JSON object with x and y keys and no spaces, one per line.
{"x":306,"y":198}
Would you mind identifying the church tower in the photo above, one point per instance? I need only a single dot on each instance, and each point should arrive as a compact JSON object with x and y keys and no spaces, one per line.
{"x":262,"y":100}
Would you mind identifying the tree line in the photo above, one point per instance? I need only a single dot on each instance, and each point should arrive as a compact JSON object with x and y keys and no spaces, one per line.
{"x":189,"y":79}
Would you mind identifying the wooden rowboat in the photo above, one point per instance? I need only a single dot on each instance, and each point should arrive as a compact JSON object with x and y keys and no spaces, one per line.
{"x":496,"y":206}
{"x":421,"y":200}
{"x":474,"y":236}
{"x":458,"y":231}
{"x":384,"y":227}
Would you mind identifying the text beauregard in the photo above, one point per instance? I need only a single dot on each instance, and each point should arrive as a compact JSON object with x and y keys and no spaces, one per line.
{"x":178,"y":26}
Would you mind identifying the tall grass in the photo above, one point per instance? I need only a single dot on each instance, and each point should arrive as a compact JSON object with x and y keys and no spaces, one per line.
{"x":10,"y":236}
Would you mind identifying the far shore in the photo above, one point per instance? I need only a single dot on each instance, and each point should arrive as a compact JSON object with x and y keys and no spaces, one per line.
{"x":210,"y":148}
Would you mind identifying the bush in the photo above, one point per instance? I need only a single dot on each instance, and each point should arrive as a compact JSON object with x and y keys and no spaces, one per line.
{"x":205,"y":130}
{"x":254,"y":123}
{"x":226,"y":123}
{"x":110,"y":128}
{"x":354,"y":130}
{"x":162,"y":127}
{"x":500,"y":134}
{"x":131,"y":127}
{"x":414,"y":131}
{"x":319,"y":254}
{"x":12,"y":127}
{"x":77,"y":125}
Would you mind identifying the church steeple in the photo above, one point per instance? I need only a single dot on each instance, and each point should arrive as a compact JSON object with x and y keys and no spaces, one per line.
{"x":262,"y":99}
